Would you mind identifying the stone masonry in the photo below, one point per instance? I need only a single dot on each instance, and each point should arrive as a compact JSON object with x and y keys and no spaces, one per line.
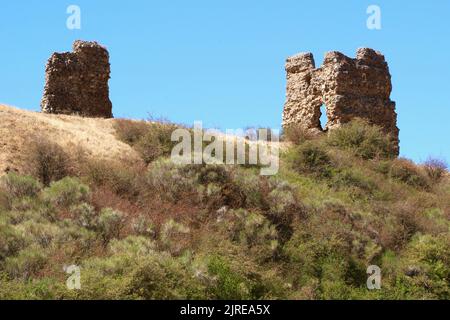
{"x":77,"y":82}
{"x":348,"y":88}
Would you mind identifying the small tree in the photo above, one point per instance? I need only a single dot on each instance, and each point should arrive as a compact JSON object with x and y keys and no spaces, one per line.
{"x":435,"y":169}
{"x":47,"y":161}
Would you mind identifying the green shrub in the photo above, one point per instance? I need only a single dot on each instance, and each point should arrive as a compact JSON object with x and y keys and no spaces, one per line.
{"x":326,"y":260}
{"x":43,"y":234}
{"x":357,"y":182}
{"x":27,"y":263}
{"x":229,"y":285}
{"x":162,"y":279}
{"x":253,"y":231}
{"x":363,"y":140}
{"x":311,"y":158}
{"x":134,"y":270}
{"x":32,"y":289}
{"x":16,"y":186}
{"x":66,"y":193}
{"x":11,"y":241}
{"x":423,"y":271}
{"x":84,"y":214}
{"x":47,"y":161}
{"x":407,"y":172}
{"x":173,"y":237}
{"x":110,"y":223}
{"x":142,"y":226}
{"x":151,"y":139}
{"x":283,"y":208}
{"x":251,"y":186}
{"x":132,"y":245}
{"x":383,"y":166}
{"x":171,"y":181}
{"x":78,"y":239}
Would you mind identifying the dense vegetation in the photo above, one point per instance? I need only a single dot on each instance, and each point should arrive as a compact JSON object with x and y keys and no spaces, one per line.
{"x":156,"y":230}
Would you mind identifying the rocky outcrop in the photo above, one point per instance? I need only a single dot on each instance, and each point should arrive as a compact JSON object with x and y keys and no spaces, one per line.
{"x":348,"y":88}
{"x":77,"y":82}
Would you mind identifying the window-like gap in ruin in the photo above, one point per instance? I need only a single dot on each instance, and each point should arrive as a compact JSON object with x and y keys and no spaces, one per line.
{"x":323,"y":117}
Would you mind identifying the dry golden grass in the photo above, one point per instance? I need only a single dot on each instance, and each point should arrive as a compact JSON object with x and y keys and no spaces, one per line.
{"x":95,"y":136}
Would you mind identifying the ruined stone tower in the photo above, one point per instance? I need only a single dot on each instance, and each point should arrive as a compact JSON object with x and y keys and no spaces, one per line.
{"x":77,"y":82}
{"x":348,"y":88}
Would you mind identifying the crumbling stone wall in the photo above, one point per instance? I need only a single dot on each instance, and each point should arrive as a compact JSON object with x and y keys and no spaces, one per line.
{"x":347,"y":87}
{"x":77,"y":82}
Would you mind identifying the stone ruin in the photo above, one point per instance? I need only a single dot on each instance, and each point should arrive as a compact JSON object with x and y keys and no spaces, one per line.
{"x":349,"y":88}
{"x":77,"y":82}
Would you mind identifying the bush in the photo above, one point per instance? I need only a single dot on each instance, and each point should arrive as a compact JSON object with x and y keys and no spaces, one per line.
{"x":110,"y":223}
{"x":228,"y":195}
{"x":162,"y":278}
{"x":407,"y":172}
{"x":322,"y":254}
{"x":229,"y":285}
{"x":151,"y":139}
{"x":363,"y":140}
{"x":253,"y":231}
{"x":311,"y":158}
{"x":17,"y":186}
{"x":173,"y":236}
{"x":120,"y":178}
{"x":283,"y":208}
{"x":297,"y":134}
{"x":213,"y":174}
{"x":358,"y":182}
{"x":43,"y":234}
{"x":47,"y":161}
{"x":134,"y":270}
{"x":435,"y":169}
{"x":11,"y":241}
{"x":424,"y":269}
{"x":171,"y":181}
{"x":130,"y":131}
{"x":66,"y":193}
{"x":27,"y":263}
{"x":143,"y":227}
{"x":150,"y":147}
{"x":252,"y":187}
{"x":85,"y":215}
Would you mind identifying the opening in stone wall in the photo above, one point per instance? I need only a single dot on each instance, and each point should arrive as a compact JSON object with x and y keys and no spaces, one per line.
{"x":323,"y":117}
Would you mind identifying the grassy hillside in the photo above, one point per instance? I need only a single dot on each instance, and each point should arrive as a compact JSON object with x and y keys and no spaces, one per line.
{"x":149,"y":229}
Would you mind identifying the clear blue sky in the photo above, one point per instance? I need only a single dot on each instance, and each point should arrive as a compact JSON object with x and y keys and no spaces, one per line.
{"x":222,"y":62}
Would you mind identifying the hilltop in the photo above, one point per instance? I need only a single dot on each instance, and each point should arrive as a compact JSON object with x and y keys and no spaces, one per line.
{"x":95,"y":135}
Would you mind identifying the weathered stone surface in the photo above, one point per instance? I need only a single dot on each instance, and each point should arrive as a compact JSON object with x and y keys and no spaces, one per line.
{"x":77,"y":82}
{"x":348,"y":88}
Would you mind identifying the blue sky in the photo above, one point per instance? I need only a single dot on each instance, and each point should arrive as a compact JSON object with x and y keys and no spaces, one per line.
{"x":222,"y":62}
